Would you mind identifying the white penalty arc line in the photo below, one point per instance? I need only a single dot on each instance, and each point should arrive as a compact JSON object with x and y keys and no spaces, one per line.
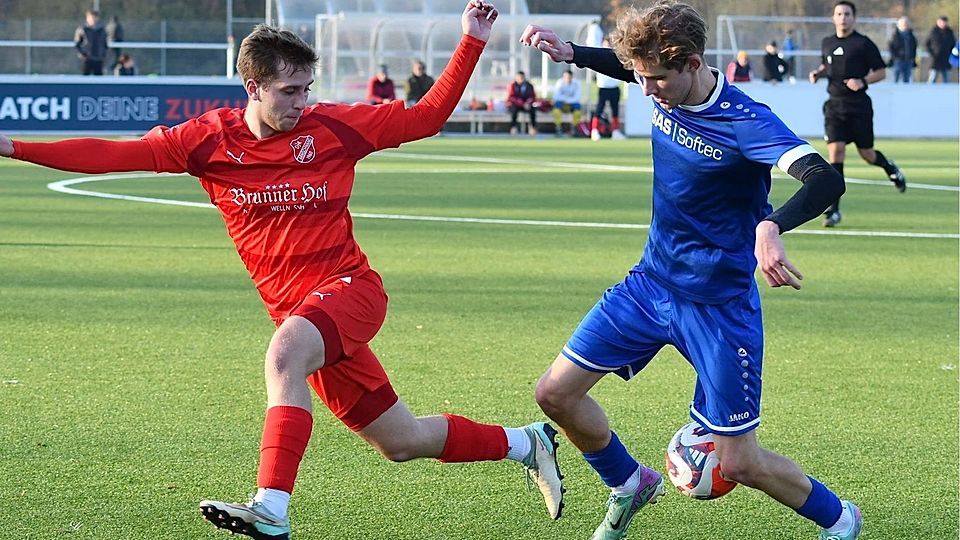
{"x":63,"y":186}
{"x":597,"y":225}
{"x":617,"y":168}
{"x":506,"y":161}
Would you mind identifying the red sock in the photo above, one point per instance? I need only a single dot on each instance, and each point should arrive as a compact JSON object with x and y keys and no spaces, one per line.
{"x":286,"y":431}
{"x":615,"y":123}
{"x":595,"y":123}
{"x":470,"y":441}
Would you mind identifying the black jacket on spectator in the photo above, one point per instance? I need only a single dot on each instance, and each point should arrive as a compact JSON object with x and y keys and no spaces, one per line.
{"x":417,"y":87}
{"x":774,"y":67}
{"x":939,"y":43}
{"x":903,"y":46}
{"x":91,"y":42}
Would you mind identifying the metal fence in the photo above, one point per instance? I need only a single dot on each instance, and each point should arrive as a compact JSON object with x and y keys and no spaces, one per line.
{"x":159,"y":47}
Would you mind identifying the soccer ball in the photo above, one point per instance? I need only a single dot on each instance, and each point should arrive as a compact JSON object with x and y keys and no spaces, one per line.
{"x":693,"y":466}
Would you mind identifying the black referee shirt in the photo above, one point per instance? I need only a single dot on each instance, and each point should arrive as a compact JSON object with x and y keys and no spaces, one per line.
{"x":851,"y":57}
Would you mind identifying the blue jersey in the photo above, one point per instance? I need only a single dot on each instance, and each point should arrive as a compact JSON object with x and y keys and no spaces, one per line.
{"x":711,"y":177}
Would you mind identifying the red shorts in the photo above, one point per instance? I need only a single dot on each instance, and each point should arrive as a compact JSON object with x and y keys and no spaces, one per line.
{"x":349,"y":312}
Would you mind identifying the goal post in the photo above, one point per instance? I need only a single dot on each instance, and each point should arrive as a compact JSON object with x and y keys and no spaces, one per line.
{"x":751,"y":33}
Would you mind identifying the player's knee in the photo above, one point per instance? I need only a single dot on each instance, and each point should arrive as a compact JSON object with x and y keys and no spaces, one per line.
{"x":398,"y":449}
{"x":740,"y":468}
{"x":289,"y":363}
{"x":280,"y":362}
{"x":290,"y":354}
{"x":550,"y":397}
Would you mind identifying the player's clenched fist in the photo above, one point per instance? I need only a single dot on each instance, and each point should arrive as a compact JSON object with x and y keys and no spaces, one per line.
{"x":478,"y":18}
{"x":6,"y":146}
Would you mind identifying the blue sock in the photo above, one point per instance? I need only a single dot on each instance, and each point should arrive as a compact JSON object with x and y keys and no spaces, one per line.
{"x":822,"y":507}
{"x":614,"y":464}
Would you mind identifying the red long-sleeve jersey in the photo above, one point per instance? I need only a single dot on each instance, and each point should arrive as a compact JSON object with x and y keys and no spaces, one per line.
{"x":284,"y":199}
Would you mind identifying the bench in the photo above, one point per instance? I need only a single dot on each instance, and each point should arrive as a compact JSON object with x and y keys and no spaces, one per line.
{"x":475,"y":120}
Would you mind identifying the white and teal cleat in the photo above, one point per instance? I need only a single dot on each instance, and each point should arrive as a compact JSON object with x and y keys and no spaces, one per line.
{"x":250,"y":519}
{"x":620,"y":510}
{"x":543,"y":468}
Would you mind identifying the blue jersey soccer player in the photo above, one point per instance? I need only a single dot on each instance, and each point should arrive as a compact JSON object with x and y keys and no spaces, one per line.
{"x":713,"y":148}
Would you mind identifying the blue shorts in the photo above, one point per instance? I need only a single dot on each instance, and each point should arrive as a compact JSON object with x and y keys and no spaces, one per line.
{"x":723,"y":342}
{"x":566,"y":106}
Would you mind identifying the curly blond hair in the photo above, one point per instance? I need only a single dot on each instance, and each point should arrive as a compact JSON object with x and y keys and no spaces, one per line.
{"x":665,"y":34}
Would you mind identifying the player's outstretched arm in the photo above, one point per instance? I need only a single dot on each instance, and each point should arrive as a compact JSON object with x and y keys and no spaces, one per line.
{"x":599,"y":59}
{"x":83,"y":155}
{"x":427,"y":117}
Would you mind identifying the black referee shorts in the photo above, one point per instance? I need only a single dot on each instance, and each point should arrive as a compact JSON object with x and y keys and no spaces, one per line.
{"x":848,"y":122}
{"x":611,"y":96}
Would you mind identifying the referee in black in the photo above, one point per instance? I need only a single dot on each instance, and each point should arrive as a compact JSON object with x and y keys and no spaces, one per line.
{"x":851,"y":62}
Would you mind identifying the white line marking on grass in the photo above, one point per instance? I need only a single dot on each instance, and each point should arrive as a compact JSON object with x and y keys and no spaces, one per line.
{"x":361,"y":170}
{"x":62,"y":186}
{"x":910,"y":185}
{"x":554,"y":164}
{"x":888,"y":234}
{"x":618,"y":168}
{"x":495,"y":221}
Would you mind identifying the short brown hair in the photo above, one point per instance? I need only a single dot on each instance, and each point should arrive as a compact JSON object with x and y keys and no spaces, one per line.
{"x":269,"y":51}
{"x":665,"y":34}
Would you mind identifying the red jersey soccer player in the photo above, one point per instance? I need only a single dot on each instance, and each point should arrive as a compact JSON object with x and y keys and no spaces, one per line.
{"x":281,"y":173}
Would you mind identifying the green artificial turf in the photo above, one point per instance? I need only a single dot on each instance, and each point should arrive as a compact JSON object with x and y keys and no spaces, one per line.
{"x":131,"y":347}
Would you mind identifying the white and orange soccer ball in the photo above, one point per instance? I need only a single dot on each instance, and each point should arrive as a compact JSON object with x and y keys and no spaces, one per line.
{"x":693,"y":465}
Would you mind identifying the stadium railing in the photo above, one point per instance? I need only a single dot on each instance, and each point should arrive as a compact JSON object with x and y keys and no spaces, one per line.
{"x":227,"y":48}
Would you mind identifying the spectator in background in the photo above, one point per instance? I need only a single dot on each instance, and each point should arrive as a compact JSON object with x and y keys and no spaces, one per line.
{"x":789,"y":46}
{"x":90,"y":40}
{"x":521,"y":97}
{"x":380,"y":88}
{"x":566,"y":98}
{"x":114,"y":37}
{"x":774,"y":67}
{"x":418,"y":83}
{"x":608,"y":92}
{"x":903,"y":51}
{"x":739,"y":70}
{"x":939,"y":43}
{"x":125,"y":66}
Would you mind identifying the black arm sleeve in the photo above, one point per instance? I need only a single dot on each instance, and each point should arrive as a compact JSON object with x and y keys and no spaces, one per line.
{"x":822,"y":186}
{"x":602,"y":61}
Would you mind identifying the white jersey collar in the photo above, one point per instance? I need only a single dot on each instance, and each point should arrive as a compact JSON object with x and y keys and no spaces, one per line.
{"x":714,"y":96}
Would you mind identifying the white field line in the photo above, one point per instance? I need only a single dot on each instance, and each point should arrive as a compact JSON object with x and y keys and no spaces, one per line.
{"x":576,"y":166}
{"x":505,"y":161}
{"x":63,"y":186}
